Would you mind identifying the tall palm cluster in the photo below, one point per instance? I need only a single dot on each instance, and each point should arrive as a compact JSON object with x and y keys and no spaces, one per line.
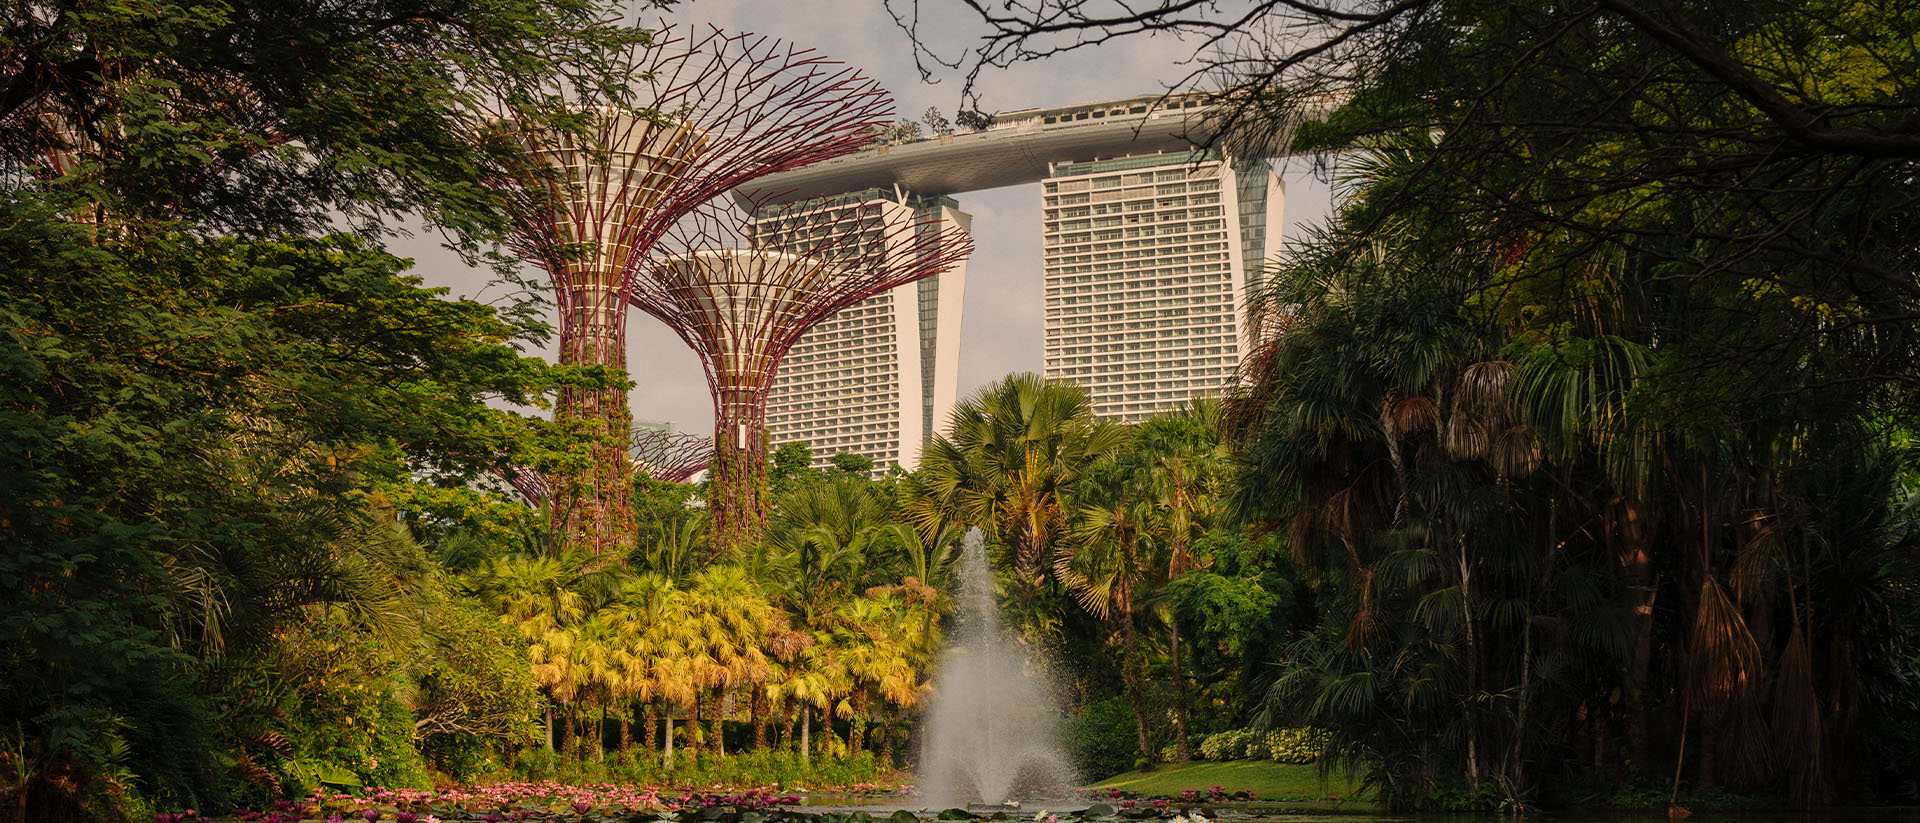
{"x":1092,"y":523}
{"x":835,"y":619}
{"x":1550,"y":548}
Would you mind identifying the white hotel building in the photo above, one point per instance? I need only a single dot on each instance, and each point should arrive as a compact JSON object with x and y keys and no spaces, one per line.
{"x":876,"y":377}
{"x":1150,"y":247}
{"x":1149,"y":259}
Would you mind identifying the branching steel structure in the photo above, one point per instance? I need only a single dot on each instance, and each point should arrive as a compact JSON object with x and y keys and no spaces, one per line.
{"x":700,"y":118}
{"x":674,"y":457}
{"x":529,"y":483}
{"x":741,"y":286}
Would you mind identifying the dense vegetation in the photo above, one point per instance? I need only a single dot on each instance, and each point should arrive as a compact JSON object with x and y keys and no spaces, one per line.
{"x":1575,"y":464}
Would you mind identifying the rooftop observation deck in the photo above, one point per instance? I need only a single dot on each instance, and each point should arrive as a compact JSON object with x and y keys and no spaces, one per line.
{"x":1014,"y":150}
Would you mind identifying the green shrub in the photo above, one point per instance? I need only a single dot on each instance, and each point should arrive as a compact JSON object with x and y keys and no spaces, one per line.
{"x":1302,"y":745}
{"x":1228,"y":745}
{"x":1104,"y":739}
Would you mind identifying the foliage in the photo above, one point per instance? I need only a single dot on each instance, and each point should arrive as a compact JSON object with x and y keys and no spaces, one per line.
{"x":184,"y":432}
{"x":1101,"y":740}
{"x":1553,"y":411}
{"x":258,"y":116}
{"x":850,"y":463}
{"x":1302,"y":745}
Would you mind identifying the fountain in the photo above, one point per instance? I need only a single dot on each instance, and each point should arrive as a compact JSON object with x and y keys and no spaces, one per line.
{"x":992,"y":727}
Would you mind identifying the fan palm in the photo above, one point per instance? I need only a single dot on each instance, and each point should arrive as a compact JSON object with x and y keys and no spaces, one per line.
{"x":1012,"y":454}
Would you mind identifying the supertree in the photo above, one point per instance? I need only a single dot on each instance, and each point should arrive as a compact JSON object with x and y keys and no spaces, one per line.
{"x":673,"y":457}
{"x":591,"y":195}
{"x":741,"y":284}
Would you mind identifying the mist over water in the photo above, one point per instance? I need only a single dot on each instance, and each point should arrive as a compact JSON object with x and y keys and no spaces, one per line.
{"x":992,"y":728}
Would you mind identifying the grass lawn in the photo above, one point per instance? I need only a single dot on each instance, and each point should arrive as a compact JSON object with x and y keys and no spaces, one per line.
{"x":1266,"y":779}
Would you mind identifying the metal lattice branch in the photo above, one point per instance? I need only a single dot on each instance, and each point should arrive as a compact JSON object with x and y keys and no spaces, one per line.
{"x":673,"y":457}
{"x":741,"y":287}
{"x":529,"y":483}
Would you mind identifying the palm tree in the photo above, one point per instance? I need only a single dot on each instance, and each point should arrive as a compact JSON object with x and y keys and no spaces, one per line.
{"x":1012,"y":454}
{"x":1185,"y":464}
{"x":734,"y":619}
{"x":1111,"y":574}
{"x":543,"y":598}
{"x":879,"y":643}
{"x":818,"y":544}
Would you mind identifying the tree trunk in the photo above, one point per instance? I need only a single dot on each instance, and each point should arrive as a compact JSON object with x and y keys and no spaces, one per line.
{"x":649,"y":724}
{"x":759,"y":717}
{"x":666,"y":750}
{"x":1133,"y":683}
{"x":1473,"y":669}
{"x":694,"y":730}
{"x":551,"y":731}
{"x":1707,"y":768}
{"x":806,"y":731}
{"x":626,"y":730}
{"x":1631,"y":526}
{"x":886,"y":742}
{"x":1185,"y":746}
{"x":719,"y":713}
{"x":1516,"y":769}
{"x":789,"y":723}
{"x":598,"y":743}
{"x":857,"y":728}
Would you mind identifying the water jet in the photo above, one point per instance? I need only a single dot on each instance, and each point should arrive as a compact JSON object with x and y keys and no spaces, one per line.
{"x":992,"y":728}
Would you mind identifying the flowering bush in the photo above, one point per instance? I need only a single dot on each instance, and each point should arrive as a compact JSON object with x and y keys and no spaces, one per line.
{"x":1227,"y":745}
{"x":1302,"y":745}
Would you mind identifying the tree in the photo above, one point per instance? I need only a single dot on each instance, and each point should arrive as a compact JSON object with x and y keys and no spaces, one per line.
{"x":901,"y":131}
{"x":193,"y":425}
{"x":267,"y":116}
{"x":1781,"y":125}
{"x":791,"y":464}
{"x":972,"y":119}
{"x":204,"y":433}
{"x":1011,"y":452}
{"x":1663,"y":258}
{"x":1113,"y":576}
{"x":854,"y":464}
{"x":936,"y":122}
{"x":1184,"y":466}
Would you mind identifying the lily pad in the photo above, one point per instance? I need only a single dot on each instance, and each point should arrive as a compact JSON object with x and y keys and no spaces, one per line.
{"x":955,"y":814}
{"x":1098,"y":810}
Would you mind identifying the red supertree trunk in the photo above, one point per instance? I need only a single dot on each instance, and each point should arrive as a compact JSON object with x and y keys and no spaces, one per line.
{"x":737,"y":486}
{"x":593,"y":505}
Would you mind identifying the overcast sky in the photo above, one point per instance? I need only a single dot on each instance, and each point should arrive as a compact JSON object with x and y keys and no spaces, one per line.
{"x":1001,"y":328}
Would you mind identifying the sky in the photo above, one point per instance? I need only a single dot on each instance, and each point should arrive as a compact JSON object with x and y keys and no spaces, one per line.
{"x":1002,"y":320}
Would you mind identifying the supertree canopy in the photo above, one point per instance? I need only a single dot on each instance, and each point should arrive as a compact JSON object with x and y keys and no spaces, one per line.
{"x":528,"y":482}
{"x":741,"y":285}
{"x":700,"y":117}
{"x":674,"y":457}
